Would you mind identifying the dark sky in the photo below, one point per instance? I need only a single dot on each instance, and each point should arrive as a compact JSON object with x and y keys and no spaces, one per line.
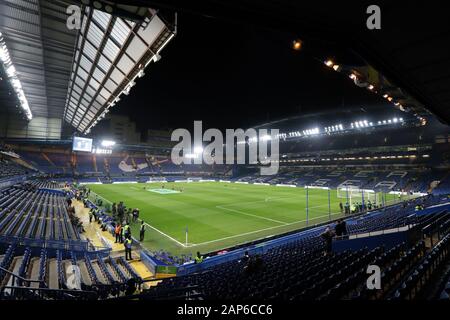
{"x":232,"y":75}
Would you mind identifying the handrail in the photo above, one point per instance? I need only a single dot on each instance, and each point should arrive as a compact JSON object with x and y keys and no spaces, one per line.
{"x":84,"y":293}
{"x":21,"y":278}
{"x":362,"y":235}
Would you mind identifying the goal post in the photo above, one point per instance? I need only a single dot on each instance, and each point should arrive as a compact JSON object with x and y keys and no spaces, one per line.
{"x":355,"y":194}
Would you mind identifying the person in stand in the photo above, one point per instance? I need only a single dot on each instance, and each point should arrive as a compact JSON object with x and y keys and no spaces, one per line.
{"x":198,"y":258}
{"x":114,"y":209}
{"x":327,"y":235}
{"x":341,"y":228}
{"x":128,"y":243}
{"x":118,"y":233}
{"x":344,"y":229}
{"x":129,"y":215}
{"x":338,"y":228}
{"x":122,"y":234}
{"x":94,"y":213}
{"x":142,"y":232}
{"x":90,"y":216}
{"x":120,"y":211}
{"x":127,"y":233}
{"x":245,"y":258}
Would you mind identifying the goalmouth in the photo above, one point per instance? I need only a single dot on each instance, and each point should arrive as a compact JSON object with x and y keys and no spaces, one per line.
{"x":356,"y":194}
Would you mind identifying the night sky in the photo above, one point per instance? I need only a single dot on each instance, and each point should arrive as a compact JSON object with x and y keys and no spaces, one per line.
{"x":233,"y":75}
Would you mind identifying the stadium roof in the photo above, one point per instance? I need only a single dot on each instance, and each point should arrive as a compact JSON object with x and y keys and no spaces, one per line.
{"x":78,"y":74}
{"x":41,"y":49}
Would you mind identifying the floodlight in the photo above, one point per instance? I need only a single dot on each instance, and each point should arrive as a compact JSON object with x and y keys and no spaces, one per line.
{"x":5,"y":59}
{"x":329,"y":63}
{"x":108,"y":143}
{"x":297,"y":44}
{"x":141,"y":73}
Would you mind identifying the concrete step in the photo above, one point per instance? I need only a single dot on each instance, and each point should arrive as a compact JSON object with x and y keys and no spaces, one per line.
{"x":15,"y":266}
{"x":113,"y":272}
{"x":99,"y":273}
{"x":34,"y":271}
{"x":53,"y":282}
{"x":85,"y":278}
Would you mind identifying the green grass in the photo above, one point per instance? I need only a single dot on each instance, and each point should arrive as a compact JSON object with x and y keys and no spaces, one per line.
{"x":219,"y":215}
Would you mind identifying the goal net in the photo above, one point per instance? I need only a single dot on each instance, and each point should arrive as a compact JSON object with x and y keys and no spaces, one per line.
{"x":355,"y":194}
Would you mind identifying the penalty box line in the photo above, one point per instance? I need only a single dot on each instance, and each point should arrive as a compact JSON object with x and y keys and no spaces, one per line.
{"x":261,"y":230}
{"x":157,"y":230}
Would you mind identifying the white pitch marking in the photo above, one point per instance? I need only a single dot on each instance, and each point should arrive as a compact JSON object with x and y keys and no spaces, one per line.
{"x":157,"y":230}
{"x":252,"y":215}
{"x":166,"y":235}
{"x":260,"y":230}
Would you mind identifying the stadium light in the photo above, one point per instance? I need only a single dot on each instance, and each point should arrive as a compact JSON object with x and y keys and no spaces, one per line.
{"x":141,"y":73}
{"x":14,"y":80}
{"x":108,"y":143}
{"x":329,"y":63}
{"x":297,"y":44}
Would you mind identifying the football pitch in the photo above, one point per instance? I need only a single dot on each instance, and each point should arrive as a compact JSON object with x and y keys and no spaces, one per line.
{"x":218,"y":215}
